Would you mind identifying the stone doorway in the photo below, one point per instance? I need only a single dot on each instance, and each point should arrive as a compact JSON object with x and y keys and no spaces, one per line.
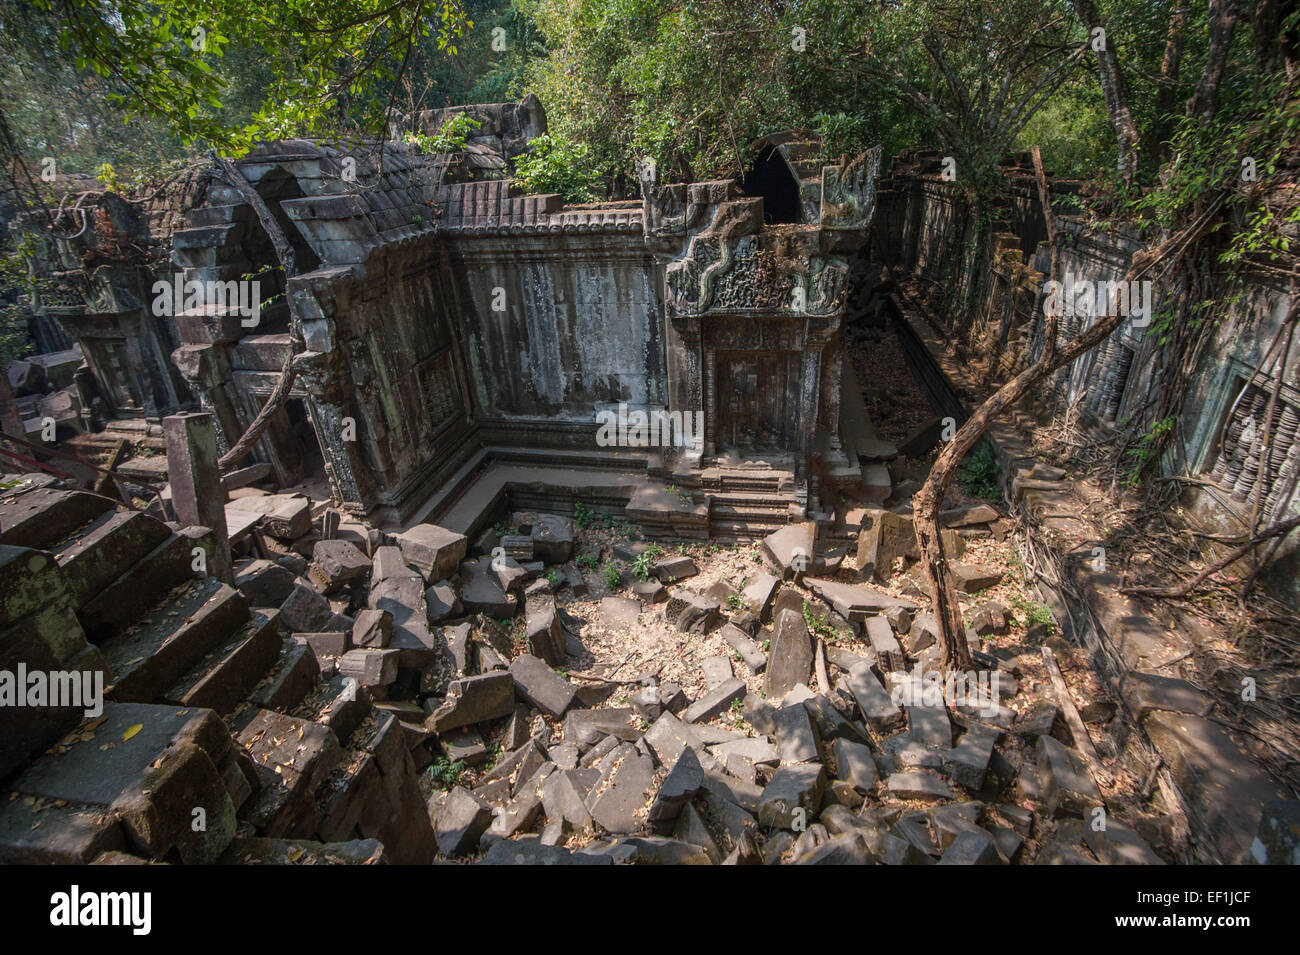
{"x":757,"y":403}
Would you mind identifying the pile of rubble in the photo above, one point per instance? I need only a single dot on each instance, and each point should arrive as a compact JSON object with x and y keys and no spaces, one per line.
{"x":45,"y":395}
{"x":806,"y":756}
{"x":396,"y":697}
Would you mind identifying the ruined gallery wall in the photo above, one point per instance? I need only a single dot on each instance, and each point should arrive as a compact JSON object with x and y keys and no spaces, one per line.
{"x":925,"y":230}
{"x":556,"y":328}
{"x":399,"y":373}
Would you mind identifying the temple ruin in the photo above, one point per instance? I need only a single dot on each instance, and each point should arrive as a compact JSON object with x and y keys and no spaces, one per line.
{"x":584,"y":533}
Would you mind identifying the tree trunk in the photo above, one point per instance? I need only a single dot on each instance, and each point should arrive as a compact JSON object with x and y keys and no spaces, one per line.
{"x":288,"y":262}
{"x":1114,"y":90}
{"x":1169,"y":68}
{"x":1223,"y":20}
{"x":927,"y":502}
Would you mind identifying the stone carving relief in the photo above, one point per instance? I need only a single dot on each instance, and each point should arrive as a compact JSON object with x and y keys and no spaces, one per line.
{"x":849,"y":193}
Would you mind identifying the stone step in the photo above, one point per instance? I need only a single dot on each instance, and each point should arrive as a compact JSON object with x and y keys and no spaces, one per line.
{"x":94,"y":556}
{"x":128,"y":777}
{"x":156,"y":652}
{"x":227,"y":673}
{"x":143,"y":585}
{"x":37,"y":517}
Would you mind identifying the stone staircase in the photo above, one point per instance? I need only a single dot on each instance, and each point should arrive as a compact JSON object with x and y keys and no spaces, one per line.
{"x":215,"y":727}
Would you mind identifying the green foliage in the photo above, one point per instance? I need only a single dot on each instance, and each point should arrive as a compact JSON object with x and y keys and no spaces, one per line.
{"x":445,"y":773}
{"x":613,"y":579}
{"x":557,"y":165}
{"x":450,"y":138}
{"x":181,"y":61}
{"x":644,"y":564}
{"x":1034,"y":613}
{"x":817,"y":624}
{"x":584,"y":517}
{"x":980,"y":473}
{"x":736,"y":602}
{"x":589,"y":561}
{"x":1149,"y":449}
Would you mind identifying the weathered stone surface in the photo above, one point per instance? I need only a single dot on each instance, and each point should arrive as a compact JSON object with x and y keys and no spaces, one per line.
{"x":968,"y":516}
{"x":553,"y":538}
{"x":796,"y":738}
{"x":971,"y":579}
{"x":482,"y":593}
{"x":650,"y":591}
{"x":1118,"y":844}
{"x":918,"y":785}
{"x":442,"y":602}
{"x":755,"y":749}
{"x":885,"y":537}
{"x":372,"y":628}
{"x":759,"y":594}
{"x":264,"y":583}
{"x":748,"y":649}
{"x":564,"y":796}
{"x":369,"y":667}
{"x":855,"y":765}
{"x":541,"y":687}
{"x":968,"y":761}
{"x":790,"y":550}
{"x":716,"y":670}
{"x":1067,"y":785}
{"x":853,"y":601}
{"x":972,"y":847}
{"x":339,"y":562}
{"x":543,"y":629}
{"x":435,"y":550}
{"x":791,"y":657}
{"x":325,"y":644}
{"x":459,"y":821}
{"x":670,"y":570}
{"x":690,"y":612}
{"x":878,"y":710}
{"x":882,"y":640}
{"x":1225,"y":791}
{"x":716,"y":701}
{"x":399,"y":589}
{"x":474,"y":699}
{"x":791,"y":788}
{"x":304,"y":610}
{"x":287,"y":516}
{"x":617,"y":801}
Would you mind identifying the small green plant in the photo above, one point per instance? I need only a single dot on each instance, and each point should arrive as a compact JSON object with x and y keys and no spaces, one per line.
{"x":736,"y":602}
{"x":450,"y":139}
{"x":980,"y":474}
{"x":588,"y":561}
{"x":613,"y":579}
{"x":1035,"y":614}
{"x":644,"y":564}
{"x":445,"y":773}
{"x":552,"y":577}
{"x":1149,"y":449}
{"x":583,"y":516}
{"x":817,"y":625}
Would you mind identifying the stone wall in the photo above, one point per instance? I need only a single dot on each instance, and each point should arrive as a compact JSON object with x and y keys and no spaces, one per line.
{"x":982,"y":285}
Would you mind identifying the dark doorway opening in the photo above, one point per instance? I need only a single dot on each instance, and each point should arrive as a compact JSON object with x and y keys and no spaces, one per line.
{"x":311,"y":458}
{"x":771,"y":180}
